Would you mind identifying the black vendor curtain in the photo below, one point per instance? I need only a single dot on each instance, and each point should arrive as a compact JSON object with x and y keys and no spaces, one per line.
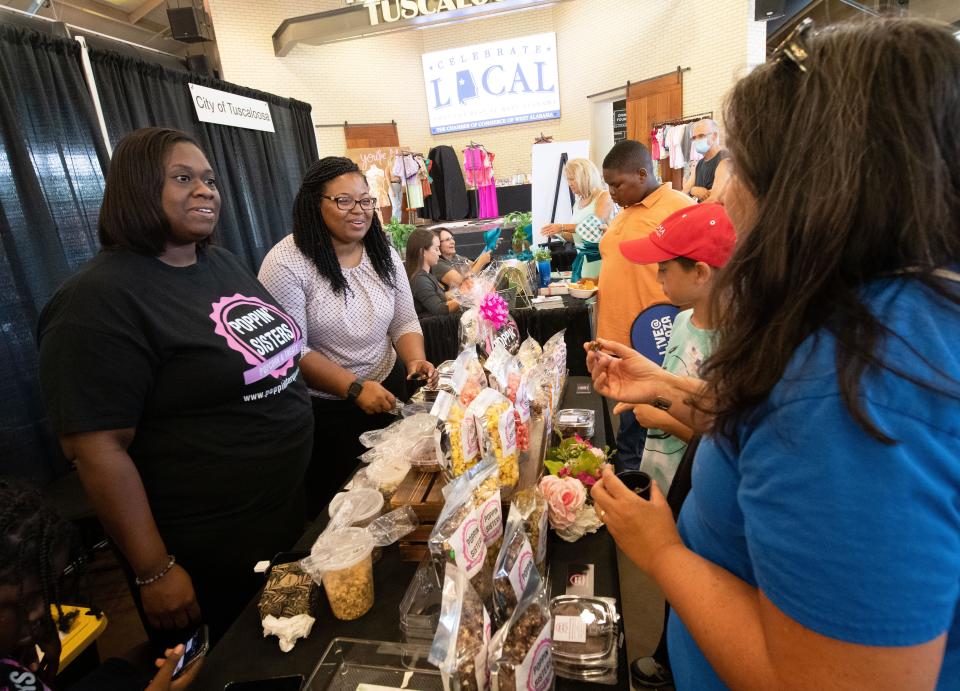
{"x":258,"y":173}
{"x":51,"y":183}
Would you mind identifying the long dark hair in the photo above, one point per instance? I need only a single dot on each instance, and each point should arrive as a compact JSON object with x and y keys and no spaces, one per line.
{"x":31,"y":537}
{"x":418,"y":242}
{"x":312,"y":236}
{"x":855,"y":165}
{"x":131,"y":214}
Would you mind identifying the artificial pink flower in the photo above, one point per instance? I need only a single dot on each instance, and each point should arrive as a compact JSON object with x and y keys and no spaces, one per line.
{"x":565,"y":496}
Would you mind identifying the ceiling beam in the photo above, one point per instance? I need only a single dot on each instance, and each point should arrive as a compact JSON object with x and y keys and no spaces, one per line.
{"x":146,"y":8}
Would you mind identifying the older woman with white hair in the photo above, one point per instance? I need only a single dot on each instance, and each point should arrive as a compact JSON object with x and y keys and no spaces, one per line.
{"x":592,"y":212}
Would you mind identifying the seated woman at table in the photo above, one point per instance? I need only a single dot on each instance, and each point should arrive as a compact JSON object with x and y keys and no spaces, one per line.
{"x":172,"y":379}
{"x":820,"y":544}
{"x":423,"y":253}
{"x":452,"y":269}
{"x":592,"y":212}
{"x":344,"y":284}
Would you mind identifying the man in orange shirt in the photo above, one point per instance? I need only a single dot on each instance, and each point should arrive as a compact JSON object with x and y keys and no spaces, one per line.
{"x":626,"y":289}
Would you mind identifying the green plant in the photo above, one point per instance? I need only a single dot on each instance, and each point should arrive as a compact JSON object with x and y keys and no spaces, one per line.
{"x":542,"y":254}
{"x":518,"y":219}
{"x":399,"y":233}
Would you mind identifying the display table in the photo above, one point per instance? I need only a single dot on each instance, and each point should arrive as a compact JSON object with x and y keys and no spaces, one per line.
{"x":244,"y":653}
{"x":510,"y":198}
{"x":441,"y":334}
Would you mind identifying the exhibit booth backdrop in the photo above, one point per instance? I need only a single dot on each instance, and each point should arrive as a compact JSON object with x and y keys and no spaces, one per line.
{"x":52,"y":164}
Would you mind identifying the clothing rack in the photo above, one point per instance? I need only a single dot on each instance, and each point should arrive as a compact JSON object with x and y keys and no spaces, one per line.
{"x":684,"y":120}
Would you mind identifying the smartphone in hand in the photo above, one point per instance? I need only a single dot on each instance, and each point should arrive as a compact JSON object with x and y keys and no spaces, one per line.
{"x":193,"y":650}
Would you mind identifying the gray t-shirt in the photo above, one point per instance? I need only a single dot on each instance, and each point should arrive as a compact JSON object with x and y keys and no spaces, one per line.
{"x":456,"y":263}
{"x":428,"y":296}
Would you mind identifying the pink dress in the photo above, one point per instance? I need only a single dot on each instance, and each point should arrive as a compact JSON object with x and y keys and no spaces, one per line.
{"x":478,"y":164}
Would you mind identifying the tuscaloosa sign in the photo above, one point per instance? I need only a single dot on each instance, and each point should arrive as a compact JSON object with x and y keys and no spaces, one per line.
{"x":387,"y":11}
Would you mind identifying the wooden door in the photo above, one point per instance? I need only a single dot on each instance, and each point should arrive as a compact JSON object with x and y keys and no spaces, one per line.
{"x":372,"y":137}
{"x":655,"y":100}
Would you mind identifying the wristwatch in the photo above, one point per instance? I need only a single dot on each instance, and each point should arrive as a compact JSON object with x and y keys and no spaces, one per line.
{"x":354,"y":390}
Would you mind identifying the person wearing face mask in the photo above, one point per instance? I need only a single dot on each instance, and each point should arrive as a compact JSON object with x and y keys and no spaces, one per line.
{"x":708,"y":177}
{"x":626,"y":289}
{"x":345,"y":285}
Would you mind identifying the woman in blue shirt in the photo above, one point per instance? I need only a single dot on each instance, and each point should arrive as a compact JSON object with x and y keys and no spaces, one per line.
{"x":820,"y":544}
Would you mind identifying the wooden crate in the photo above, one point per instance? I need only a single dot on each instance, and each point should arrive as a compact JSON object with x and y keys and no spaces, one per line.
{"x":423,"y":492}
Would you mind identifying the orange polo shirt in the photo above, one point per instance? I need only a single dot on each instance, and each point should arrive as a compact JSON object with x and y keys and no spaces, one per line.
{"x":626,"y":289}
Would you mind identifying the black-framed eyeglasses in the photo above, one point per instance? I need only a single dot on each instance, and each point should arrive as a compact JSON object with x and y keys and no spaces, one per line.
{"x":794,"y":47}
{"x":348,"y":203}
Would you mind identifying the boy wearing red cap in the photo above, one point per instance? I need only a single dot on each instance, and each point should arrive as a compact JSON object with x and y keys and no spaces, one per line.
{"x":689,"y":246}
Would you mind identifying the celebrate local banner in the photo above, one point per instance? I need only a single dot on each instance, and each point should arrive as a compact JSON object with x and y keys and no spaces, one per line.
{"x":492,"y":84}
{"x":224,"y":108}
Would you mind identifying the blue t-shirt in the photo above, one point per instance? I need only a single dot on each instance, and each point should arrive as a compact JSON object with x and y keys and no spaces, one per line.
{"x":853,"y":539}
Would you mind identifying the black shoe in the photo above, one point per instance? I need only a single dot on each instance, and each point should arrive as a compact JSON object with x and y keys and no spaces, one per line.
{"x":647,"y":673}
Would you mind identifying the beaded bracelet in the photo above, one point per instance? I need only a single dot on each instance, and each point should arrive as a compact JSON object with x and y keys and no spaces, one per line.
{"x":157,"y":576}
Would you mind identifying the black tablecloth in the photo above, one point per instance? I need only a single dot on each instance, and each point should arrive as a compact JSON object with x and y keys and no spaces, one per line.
{"x":441,"y":334}
{"x":244,"y":653}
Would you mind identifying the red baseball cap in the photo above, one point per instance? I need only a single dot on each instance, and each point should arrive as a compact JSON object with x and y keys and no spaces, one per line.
{"x":702,"y":232}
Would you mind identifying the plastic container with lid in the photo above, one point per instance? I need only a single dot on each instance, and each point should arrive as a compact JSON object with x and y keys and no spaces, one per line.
{"x":367,"y":505}
{"x":586,"y":638}
{"x":570,"y":421}
{"x":342,"y":561}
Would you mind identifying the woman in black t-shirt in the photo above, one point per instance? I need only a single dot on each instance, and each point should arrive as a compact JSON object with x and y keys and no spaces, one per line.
{"x":172,"y":378}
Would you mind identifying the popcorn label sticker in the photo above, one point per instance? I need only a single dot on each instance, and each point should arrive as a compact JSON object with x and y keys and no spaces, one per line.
{"x":491,"y":519}
{"x":536,"y":672}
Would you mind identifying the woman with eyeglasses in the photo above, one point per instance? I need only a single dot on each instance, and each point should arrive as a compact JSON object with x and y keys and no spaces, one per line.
{"x":453,"y":269}
{"x":819,"y":547}
{"x":423,"y":253}
{"x":338,"y":276}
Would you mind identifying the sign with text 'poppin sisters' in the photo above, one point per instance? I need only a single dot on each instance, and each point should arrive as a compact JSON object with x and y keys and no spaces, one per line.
{"x":492,"y":84}
{"x":224,"y":108}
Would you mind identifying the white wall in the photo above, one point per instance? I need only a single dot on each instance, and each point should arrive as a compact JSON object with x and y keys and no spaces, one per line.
{"x":601,"y":44}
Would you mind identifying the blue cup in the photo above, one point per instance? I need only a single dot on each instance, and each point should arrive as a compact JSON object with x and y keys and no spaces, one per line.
{"x":543,"y":267}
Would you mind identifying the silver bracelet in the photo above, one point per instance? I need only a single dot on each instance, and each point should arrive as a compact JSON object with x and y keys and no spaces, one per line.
{"x":157,"y":576}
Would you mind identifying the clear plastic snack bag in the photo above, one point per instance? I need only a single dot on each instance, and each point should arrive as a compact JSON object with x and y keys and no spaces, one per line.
{"x":515,"y":570}
{"x":457,"y":538}
{"x":532,"y":506}
{"x":411,"y":438}
{"x":483,"y":483}
{"x":497,"y":430}
{"x":460,"y":447}
{"x":520,"y":651}
{"x":529,"y":352}
{"x":468,"y":378}
{"x":461,"y":645}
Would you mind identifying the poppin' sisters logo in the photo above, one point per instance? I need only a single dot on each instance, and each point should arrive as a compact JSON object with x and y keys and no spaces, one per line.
{"x":267,"y":338}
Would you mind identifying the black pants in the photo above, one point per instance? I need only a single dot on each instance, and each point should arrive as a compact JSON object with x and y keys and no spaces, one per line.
{"x":677,"y":494}
{"x":338,"y":425}
{"x":221,"y":568}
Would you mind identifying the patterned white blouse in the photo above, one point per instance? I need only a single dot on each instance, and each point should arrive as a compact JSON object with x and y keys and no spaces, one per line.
{"x":358,"y":329}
